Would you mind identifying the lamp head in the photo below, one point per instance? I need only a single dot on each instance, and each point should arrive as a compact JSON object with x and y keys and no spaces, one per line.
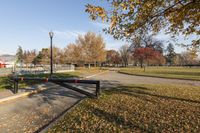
{"x":51,"y":34}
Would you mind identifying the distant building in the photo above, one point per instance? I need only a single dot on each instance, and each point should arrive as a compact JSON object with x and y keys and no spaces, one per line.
{"x":2,"y":64}
{"x":7,"y":61}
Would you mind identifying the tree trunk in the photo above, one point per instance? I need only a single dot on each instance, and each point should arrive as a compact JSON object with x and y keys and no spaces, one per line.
{"x":141,"y":63}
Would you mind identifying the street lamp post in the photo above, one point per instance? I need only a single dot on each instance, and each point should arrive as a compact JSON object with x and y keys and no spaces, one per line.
{"x":51,"y":54}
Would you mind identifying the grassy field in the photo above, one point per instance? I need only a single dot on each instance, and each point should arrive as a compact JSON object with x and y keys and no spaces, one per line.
{"x":5,"y":84}
{"x":165,"y":72}
{"x":137,"y":108}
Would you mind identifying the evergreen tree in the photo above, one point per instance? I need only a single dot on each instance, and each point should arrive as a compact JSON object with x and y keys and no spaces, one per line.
{"x":170,"y":54}
{"x":19,"y":54}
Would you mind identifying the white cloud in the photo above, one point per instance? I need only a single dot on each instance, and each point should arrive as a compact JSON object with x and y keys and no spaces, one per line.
{"x":100,"y":25}
{"x":66,"y":34}
{"x":112,"y":43}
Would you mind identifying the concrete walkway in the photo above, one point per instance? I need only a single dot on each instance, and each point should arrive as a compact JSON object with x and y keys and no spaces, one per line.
{"x":31,"y":113}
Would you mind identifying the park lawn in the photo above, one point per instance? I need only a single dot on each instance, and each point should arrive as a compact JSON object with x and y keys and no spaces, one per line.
{"x":165,"y":72}
{"x":5,"y":84}
{"x":136,"y":108}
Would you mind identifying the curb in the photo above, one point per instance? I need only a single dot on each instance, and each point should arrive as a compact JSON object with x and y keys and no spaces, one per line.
{"x":25,"y":94}
{"x":94,"y":75}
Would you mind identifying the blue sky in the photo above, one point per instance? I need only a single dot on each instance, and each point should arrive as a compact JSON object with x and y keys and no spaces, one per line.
{"x":27,"y":23}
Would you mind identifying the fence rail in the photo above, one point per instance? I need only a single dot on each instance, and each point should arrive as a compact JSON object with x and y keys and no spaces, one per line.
{"x":36,"y":70}
{"x":64,"y":82}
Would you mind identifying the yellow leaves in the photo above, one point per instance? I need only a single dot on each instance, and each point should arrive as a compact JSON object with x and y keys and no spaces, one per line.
{"x":124,"y":6}
{"x":96,"y":11}
{"x":135,"y":108}
{"x":134,"y":16}
{"x":113,"y":22}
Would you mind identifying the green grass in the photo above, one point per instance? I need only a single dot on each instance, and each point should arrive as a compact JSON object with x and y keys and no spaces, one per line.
{"x":5,"y":84}
{"x":165,"y":72}
{"x":137,"y":108}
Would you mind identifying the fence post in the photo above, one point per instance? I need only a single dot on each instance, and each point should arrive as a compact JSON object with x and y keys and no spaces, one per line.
{"x":98,"y":89}
{"x":16,"y":86}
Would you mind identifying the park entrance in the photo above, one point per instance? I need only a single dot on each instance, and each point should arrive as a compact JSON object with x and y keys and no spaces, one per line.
{"x":64,"y":82}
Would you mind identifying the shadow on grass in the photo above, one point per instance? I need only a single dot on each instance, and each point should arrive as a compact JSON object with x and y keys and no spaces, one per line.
{"x":142,"y":92}
{"x":115,"y":119}
{"x":53,"y":94}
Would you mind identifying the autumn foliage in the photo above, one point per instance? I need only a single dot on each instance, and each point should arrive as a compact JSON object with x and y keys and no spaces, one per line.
{"x":130,"y":17}
{"x":148,"y":55}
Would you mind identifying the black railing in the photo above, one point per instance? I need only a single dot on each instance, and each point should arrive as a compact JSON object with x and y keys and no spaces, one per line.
{"x":64,"y":82}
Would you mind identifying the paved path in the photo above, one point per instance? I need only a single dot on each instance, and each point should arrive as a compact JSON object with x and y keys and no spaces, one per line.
{"x":114,"y":78}
{"x":31,"y":113}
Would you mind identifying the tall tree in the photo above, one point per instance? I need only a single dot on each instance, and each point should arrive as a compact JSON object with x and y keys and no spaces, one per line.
{"x":19,"y":54}
{"x":178,"y":60}
{"x":57,"y":52}
{"x":45,"y":56}
{"x":170,"y":53}
{"x":130,"y":17}
{"x":93,"y":47}
{"x":125,"y":54}
{"x":37,"y":59}
{"x":29,"y":56}
{"x":113,"y":57}
{"x":73,"y":53}
{"x":145,"y":54}
{"x":188,"y":59}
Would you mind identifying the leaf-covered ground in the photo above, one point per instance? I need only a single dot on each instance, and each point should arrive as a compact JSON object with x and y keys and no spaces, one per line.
{"x":137,"y":108}
{"x":165,"y":72}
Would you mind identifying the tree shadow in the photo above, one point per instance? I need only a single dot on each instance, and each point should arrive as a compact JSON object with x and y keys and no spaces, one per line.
{"x":115,"y":119}
{"x":56,"y":119}
{"x":51,"y":94}
{"x":143,"y":92}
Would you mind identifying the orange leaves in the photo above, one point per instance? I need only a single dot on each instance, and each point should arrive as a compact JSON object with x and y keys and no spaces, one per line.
{"x":136,"y":16}
{"x":136,"y":108}
{"x":96,"y":11}
{"x":113,"y":22}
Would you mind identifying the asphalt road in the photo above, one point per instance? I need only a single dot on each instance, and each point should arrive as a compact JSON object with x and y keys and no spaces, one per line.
{"x":29,"y":114}
{"x":113,"y":78}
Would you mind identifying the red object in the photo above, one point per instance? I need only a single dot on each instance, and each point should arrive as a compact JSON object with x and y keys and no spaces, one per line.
{"x":46,"y":80}
{"x":22,"y":78}
{"x":76,"y":81}
{"x":2,"y":64}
